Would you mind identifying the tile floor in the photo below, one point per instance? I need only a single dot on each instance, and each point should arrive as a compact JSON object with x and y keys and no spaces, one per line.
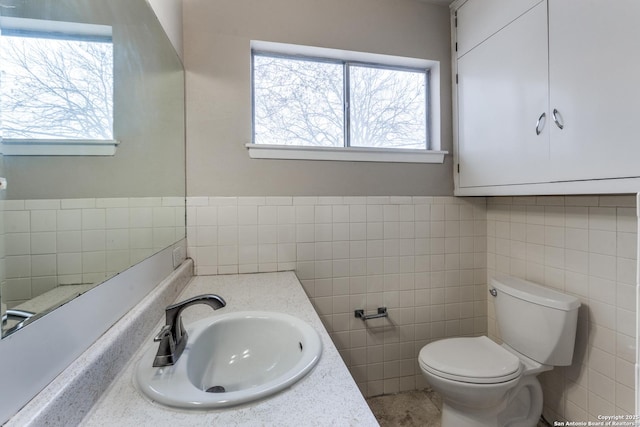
{"x":416,"y":408}
{"x":408,"y":409}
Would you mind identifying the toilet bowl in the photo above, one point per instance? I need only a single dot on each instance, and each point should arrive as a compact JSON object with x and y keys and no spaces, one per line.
{"x":484,"y":384}
{"x":478,"y":379}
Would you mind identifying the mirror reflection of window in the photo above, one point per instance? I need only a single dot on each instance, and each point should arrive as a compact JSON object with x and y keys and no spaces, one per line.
{"x":55,"y":85}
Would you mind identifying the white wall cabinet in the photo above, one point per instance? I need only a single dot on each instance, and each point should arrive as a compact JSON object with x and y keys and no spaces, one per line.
{"x":594,"y":59}
{"x":501,"y":94}
{"x":547,"y":96}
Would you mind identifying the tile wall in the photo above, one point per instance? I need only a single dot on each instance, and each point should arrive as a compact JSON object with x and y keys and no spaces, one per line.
{"x":74,"y":241}
{"x":424,"y":258}
{"x":585,"y":246}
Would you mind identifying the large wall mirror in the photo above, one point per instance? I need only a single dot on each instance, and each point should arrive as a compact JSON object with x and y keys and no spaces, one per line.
{"x":93,"y":162}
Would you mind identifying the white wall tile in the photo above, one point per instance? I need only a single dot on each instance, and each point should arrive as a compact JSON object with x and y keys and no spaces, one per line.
{"x":43,"y":243}
{"x":267,"y":215}
{"x":117,"y":240}
{"x":18,"y":243}
{"x":227,"y":235}
{"x":340,"y":250}
{"x":627,"y":245}
{"x":323,"y":214}
{"x":94,"y":240}
{"x":227,"y":215}
{"x":142,"y":217}
{"x":69,"y":241}
{"x":223,"y":201}
{"x":280,"y":200}
{"x":251,"y":201}
{"x":340,"y":213}
{"x":305,"y":214}
{"x":247,"y":235}
{"x":227,"y":255}
{"x":286,"y":252}
{"x":18,"y":266}
{"x":69,"y":263}
{"x":267,"y":234}
{"x":115,"y":218}
{"x":357,"y":213}
{"x":286,"y":233}
{"x":42,"y":228}
{"x":267,"y":253}
{"x":205,"y":215}
{"x":93,"y":219}
{"x":589,"y":246}
{"x":43,"y":220}
{"x":602,"y":218}
{"x":18,"y":289}
{"x":94,"y":262}
{"x":248,"y":254}
{"x":69,"y":219}
{"x":323,"y":232}
{"x":305,"y":233}
{"x":77,"y":203}
{"x":163,"y":217}
{"x":351,"y":251}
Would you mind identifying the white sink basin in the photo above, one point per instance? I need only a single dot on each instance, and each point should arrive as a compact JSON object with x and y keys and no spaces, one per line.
{"x":238,"y":357}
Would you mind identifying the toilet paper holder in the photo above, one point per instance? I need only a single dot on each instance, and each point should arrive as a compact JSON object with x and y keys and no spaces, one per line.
{"x":382,"y":312}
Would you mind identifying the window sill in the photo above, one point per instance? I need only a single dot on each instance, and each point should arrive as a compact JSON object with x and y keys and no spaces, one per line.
{"x":58,"y":147}
{"x":350,"y":154}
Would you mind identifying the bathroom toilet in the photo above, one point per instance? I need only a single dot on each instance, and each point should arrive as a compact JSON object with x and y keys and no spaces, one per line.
{"x":484,"y":384}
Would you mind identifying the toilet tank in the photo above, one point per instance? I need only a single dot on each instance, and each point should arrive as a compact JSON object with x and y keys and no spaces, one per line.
{"x":536,"y":321}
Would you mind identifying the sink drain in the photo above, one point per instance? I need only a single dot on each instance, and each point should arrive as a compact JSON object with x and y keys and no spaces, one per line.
{"x":216,"y":389}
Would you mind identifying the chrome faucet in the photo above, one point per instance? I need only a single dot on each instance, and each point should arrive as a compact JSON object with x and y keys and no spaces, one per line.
{"x":173,"y":337}
{"x":18,"y":316}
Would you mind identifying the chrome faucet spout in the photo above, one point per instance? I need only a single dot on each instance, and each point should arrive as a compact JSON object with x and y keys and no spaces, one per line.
{"x":173,"y":337}
{"x":19,"y":317}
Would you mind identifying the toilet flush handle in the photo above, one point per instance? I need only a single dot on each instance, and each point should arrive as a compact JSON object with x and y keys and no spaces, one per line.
{"x":493,"y":292}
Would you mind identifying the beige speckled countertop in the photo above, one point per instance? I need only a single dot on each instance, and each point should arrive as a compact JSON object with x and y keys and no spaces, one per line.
{"x":326,"y":396}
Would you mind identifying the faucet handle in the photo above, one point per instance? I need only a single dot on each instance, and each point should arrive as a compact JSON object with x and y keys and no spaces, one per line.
{"x":173,"y":336}
{"x":165,"y":332}
{"x":167,"y":348}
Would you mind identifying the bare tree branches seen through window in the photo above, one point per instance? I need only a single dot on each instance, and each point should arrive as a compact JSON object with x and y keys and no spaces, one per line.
{"x":388,"y":108}
{"x":311,"y":102}
{"x":56,"y":88}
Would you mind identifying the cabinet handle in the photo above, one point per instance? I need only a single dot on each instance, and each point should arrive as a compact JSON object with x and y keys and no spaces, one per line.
{"x":541,"y":120}
{"x":557,"y":118}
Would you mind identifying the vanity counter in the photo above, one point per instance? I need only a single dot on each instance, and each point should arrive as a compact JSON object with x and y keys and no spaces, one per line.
{"x":326,"y":396}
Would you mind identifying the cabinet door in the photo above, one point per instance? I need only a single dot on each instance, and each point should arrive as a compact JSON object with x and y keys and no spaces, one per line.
{"x":502,"y":91}
{"x":594,"y":59}
{"x":479,"y":19}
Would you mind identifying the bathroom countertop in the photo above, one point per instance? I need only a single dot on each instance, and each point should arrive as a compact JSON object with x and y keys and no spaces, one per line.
{"x":328,"y":395}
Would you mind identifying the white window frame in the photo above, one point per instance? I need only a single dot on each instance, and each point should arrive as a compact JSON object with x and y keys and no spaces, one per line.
{"x":431,"y":154}
{"x":62,"y":146}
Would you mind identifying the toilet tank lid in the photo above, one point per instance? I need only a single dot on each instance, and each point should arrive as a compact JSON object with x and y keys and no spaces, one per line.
{"x":537,"y":294}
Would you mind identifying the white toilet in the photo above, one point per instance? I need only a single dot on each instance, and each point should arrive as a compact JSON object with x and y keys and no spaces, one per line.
{"x":484,"y":384}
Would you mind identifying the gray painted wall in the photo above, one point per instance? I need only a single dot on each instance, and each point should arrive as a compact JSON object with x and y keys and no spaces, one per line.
{"x":217,"y":35}
{"x":148,"y":113}
{"x":169,"y":13}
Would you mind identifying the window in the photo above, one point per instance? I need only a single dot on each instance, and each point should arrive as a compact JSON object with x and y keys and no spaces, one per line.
{"x":56,"y":88}
{"x":373,"y":107}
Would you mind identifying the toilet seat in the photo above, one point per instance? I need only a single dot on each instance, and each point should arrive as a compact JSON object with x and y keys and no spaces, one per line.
{"x":472,"y":360}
